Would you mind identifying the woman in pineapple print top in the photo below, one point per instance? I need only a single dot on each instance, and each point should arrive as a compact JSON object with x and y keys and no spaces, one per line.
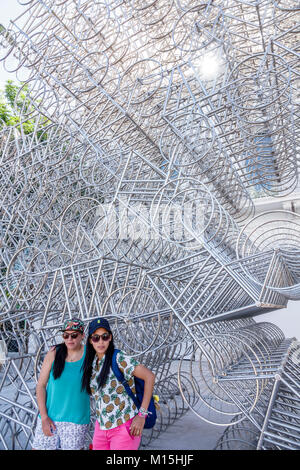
{"x":119,"y":423}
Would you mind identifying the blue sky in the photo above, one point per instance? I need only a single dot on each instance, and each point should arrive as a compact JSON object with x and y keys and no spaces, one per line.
{"x":9,"y":10}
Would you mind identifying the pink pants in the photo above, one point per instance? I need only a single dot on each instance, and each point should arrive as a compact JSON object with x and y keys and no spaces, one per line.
{"x":118,"y":438}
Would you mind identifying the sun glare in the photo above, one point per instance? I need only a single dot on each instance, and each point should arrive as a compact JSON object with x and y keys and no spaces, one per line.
{"x":209,"y":66}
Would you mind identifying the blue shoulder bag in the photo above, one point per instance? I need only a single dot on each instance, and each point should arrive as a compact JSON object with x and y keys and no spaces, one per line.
{"x":139,"y":388}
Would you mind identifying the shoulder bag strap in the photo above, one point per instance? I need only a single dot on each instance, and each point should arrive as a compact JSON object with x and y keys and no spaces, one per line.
{"x":121,"y":378}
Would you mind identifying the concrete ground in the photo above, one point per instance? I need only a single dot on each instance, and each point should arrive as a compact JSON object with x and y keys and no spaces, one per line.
{"x":187,"y":433}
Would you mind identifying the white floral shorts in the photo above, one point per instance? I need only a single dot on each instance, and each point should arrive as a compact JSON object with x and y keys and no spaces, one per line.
{"x":66,"y":436}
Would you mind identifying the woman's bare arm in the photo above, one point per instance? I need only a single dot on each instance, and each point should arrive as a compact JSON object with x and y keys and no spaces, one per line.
{"x":142,"y":372}
{"x":148,"y":377}
{"x":47,"y":423}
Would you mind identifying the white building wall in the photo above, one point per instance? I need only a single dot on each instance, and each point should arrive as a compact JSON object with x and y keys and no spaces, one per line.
{"x":287,"y":319}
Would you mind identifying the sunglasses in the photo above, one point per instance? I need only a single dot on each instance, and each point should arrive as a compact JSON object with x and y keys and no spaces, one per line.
{"x":96,"y":338}
{"x":72,"y":335}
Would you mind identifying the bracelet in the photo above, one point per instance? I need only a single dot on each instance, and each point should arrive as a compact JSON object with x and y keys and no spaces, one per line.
{"x":143,"y":412}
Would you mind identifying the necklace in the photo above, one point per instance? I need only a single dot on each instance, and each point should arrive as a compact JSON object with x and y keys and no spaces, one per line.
{"x":75,"y":358}
{"x":71,"y":359}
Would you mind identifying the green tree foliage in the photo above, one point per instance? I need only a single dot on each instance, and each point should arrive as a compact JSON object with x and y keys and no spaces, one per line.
{"x":8,"y":112}
{"x":14,"y":104}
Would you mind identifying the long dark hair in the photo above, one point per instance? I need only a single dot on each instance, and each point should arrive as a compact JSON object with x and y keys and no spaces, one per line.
{"x":61,"y":352}
{"x":87,"y":366}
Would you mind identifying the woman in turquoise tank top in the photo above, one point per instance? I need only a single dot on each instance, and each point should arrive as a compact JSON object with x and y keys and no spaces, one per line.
{"x":64,"y":407}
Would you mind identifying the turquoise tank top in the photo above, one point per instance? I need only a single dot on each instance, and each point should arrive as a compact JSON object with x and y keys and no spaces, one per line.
{"x":65,"y":400}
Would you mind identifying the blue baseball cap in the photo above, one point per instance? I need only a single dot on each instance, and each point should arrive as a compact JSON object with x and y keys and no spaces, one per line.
{"x":98,"y":323}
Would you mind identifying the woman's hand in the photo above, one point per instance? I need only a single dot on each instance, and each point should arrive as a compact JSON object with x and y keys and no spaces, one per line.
{"x":48,"y":426}
{"x":137,"y":426}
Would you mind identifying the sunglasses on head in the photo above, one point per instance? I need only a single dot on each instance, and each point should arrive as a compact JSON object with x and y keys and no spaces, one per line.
{"x":96,"y":338}
{"x":72,"y":335}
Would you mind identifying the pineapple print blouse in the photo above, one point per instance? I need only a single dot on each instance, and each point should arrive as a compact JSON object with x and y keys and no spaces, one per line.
{"x":113,"y":405}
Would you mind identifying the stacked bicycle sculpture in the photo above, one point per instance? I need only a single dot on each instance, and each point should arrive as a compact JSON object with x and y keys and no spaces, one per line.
{"x":154,"y":123}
